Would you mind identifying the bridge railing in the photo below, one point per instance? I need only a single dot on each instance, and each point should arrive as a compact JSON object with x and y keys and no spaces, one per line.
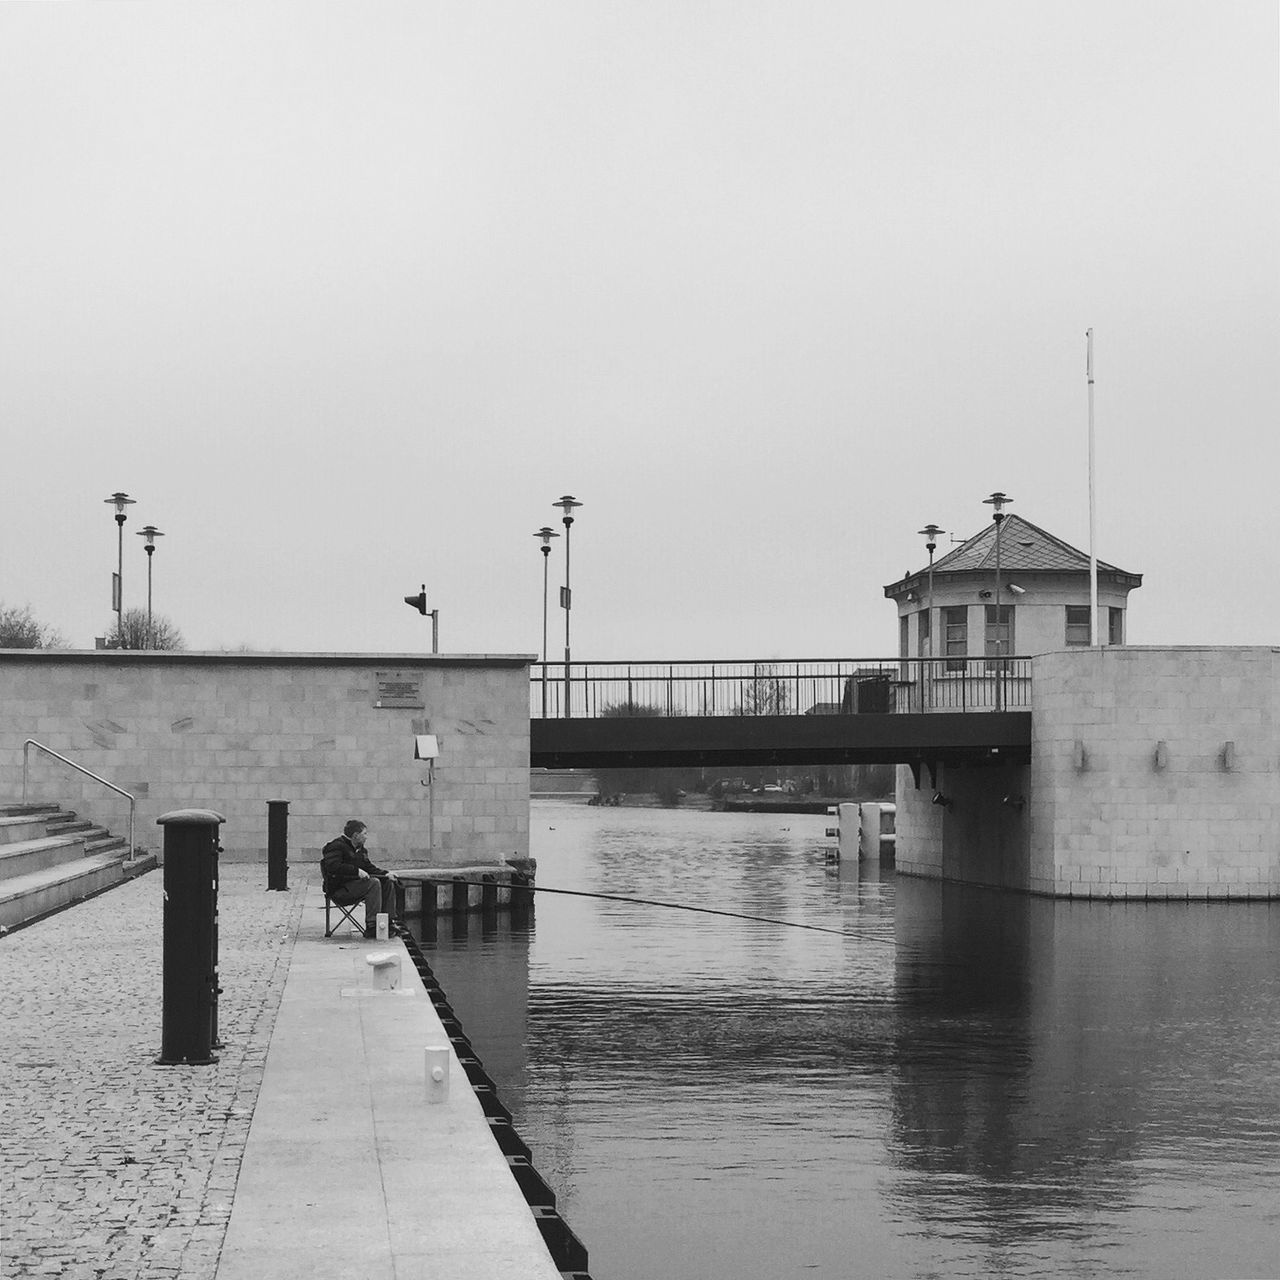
{"x":817,"y":686}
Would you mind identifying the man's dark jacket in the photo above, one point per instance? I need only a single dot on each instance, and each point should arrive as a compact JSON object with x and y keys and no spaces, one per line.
{"x":341,"y":862}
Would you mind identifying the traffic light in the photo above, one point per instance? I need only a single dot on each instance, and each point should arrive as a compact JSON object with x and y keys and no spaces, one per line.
{"x":419,"y":601}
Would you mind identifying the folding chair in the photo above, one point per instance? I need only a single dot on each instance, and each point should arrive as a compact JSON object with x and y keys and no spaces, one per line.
{"x":346,"y":913}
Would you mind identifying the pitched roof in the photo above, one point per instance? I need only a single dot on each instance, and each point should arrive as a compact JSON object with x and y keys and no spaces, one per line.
{"x":1023,"y":546}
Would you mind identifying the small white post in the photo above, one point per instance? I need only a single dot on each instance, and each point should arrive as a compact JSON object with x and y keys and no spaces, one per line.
{"x":437,"y":1072}
{"x":386,"y":970}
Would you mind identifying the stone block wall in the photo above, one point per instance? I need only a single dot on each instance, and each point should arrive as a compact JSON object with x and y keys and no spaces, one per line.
{"x":982,"y":837}
{"x":1156,"y":773}
{"x":229,"y":732}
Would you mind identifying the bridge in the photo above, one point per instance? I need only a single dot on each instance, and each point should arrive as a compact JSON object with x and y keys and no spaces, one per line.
{"x":915,"y":711}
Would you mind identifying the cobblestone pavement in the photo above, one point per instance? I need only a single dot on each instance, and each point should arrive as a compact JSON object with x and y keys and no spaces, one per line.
{"x":111,"y":1167}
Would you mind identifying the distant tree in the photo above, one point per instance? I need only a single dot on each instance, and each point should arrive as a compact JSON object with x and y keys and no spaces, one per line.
{"x":19,"y":629}
{"x":134,"y":632}
{"x":623,"y":710}
{"x":765,"y":694}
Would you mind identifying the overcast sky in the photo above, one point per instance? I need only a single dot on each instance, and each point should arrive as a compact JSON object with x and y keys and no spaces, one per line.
{"x":347,"y":294}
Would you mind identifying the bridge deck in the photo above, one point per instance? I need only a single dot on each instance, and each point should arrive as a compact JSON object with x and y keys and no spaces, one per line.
{"x":896,"y":738}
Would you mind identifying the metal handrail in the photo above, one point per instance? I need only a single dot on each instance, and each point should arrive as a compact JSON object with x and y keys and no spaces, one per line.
{"x":79,"y":768}
{"x":957,"y":682}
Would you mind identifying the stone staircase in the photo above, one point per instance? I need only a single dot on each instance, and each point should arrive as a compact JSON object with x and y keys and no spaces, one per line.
{"x":49,"y":859}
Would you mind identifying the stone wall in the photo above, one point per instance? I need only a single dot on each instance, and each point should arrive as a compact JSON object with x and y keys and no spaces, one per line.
{"x":982,"y":837}
{"x":231,"y":731}
{"x":1154,"y":773}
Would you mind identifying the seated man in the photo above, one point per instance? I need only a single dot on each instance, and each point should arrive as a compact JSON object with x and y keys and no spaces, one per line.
{"x":350,"y":877}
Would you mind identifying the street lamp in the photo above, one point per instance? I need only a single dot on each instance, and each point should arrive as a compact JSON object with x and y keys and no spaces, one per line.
{"x":546,"y":533}
{"x":121,"y":501}
{"x":567,"y":505}
{"x":930,"y":534}
{"x":997,"y":502}
{"x":151,"y":533}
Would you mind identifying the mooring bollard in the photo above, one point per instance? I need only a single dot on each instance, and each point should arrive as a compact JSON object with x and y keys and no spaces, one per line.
{"x":188,"y":1025}
{"x":437,"y":1065}
{"x":386,"y":970}
{"x":277,"y":844}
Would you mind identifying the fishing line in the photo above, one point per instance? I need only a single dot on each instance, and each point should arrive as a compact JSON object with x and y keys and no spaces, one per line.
{"x":708,"y":911}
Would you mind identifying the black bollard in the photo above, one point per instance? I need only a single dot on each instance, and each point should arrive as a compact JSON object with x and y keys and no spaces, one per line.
{"x":190,"y":936}
{"x":277,"y":844}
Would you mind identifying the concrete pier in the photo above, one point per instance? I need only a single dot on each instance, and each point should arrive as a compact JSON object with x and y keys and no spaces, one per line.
{"x":308,"y":1149}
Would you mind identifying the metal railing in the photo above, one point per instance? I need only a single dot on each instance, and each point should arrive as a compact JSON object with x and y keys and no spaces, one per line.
{"x":809,"y":686}
{"x":79,"y":768}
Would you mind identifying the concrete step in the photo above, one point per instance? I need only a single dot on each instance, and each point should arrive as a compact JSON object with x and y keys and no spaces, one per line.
{"x":105,"y":843}
{"x":26,"y":856}
{"x":65,"y":824}
{"x":25,"y":897}
{"x":17,"y":827}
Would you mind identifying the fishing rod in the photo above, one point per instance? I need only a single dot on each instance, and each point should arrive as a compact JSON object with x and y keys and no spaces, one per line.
{"x":708,"y":911}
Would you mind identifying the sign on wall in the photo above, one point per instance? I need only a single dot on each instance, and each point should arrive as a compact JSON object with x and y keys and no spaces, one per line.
{"x":397,"y":690}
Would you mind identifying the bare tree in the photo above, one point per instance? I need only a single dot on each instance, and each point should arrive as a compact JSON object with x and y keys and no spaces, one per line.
{"x":19,"y":629}
{"x":764,"y":694}
{"x":134,"y":632}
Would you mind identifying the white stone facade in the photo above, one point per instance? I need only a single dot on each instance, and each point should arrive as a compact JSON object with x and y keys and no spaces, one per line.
{"x":229,"y":732}
{"x":1154,"y":773}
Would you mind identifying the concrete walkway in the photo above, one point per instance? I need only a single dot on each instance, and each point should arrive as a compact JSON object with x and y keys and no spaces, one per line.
{"x":308,"y":1149}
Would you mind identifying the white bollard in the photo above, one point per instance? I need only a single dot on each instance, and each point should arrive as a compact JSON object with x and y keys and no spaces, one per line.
{"x":437,"y":1064}
{"x":849,"y":829}
{"x":869,"y":832}
{"x":383,"y":927}
{"x":386,"y":970}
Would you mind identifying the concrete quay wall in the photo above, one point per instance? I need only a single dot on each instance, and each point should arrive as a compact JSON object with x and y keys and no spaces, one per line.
{"x":333,"y":734}
{"x":1154,"y":773}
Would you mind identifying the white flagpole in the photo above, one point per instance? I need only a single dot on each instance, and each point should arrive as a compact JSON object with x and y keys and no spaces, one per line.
{"x":1093,"y":558}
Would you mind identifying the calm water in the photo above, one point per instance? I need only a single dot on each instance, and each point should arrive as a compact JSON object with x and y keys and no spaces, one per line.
{"x":957,"y":1084}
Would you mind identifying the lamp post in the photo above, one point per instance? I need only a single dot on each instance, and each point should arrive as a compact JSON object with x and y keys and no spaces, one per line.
{"x":121,"y":500}
{"x":546,"y":533}
{"x":151,"y":533}
{"x":930,"y":534}
{"x":567,"y":505}
{"x":998,"y":501}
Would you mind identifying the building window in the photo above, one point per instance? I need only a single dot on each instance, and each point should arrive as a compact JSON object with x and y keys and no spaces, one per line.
{"x":922,"y":634}
{"x":904,"y":646}
{"x":1115,"y":626}
{"x":955,"y":633}
{"x":1077,"y":624}
{"x":999,"y":637}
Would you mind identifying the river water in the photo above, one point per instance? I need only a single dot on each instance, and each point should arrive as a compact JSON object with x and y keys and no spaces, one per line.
{"x":948,"y":1083}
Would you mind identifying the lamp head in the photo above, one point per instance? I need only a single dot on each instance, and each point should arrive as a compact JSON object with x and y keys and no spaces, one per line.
{"x":930,"y":533}
{"x":546,"y":533}
{"x":151,"y":533}
{"x":121,"y":500}
{"x":567,"y":504}
{"x":999,"y":501}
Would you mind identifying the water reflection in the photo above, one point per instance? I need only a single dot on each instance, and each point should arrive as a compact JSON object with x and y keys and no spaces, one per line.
{"x":959,"y":1083}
